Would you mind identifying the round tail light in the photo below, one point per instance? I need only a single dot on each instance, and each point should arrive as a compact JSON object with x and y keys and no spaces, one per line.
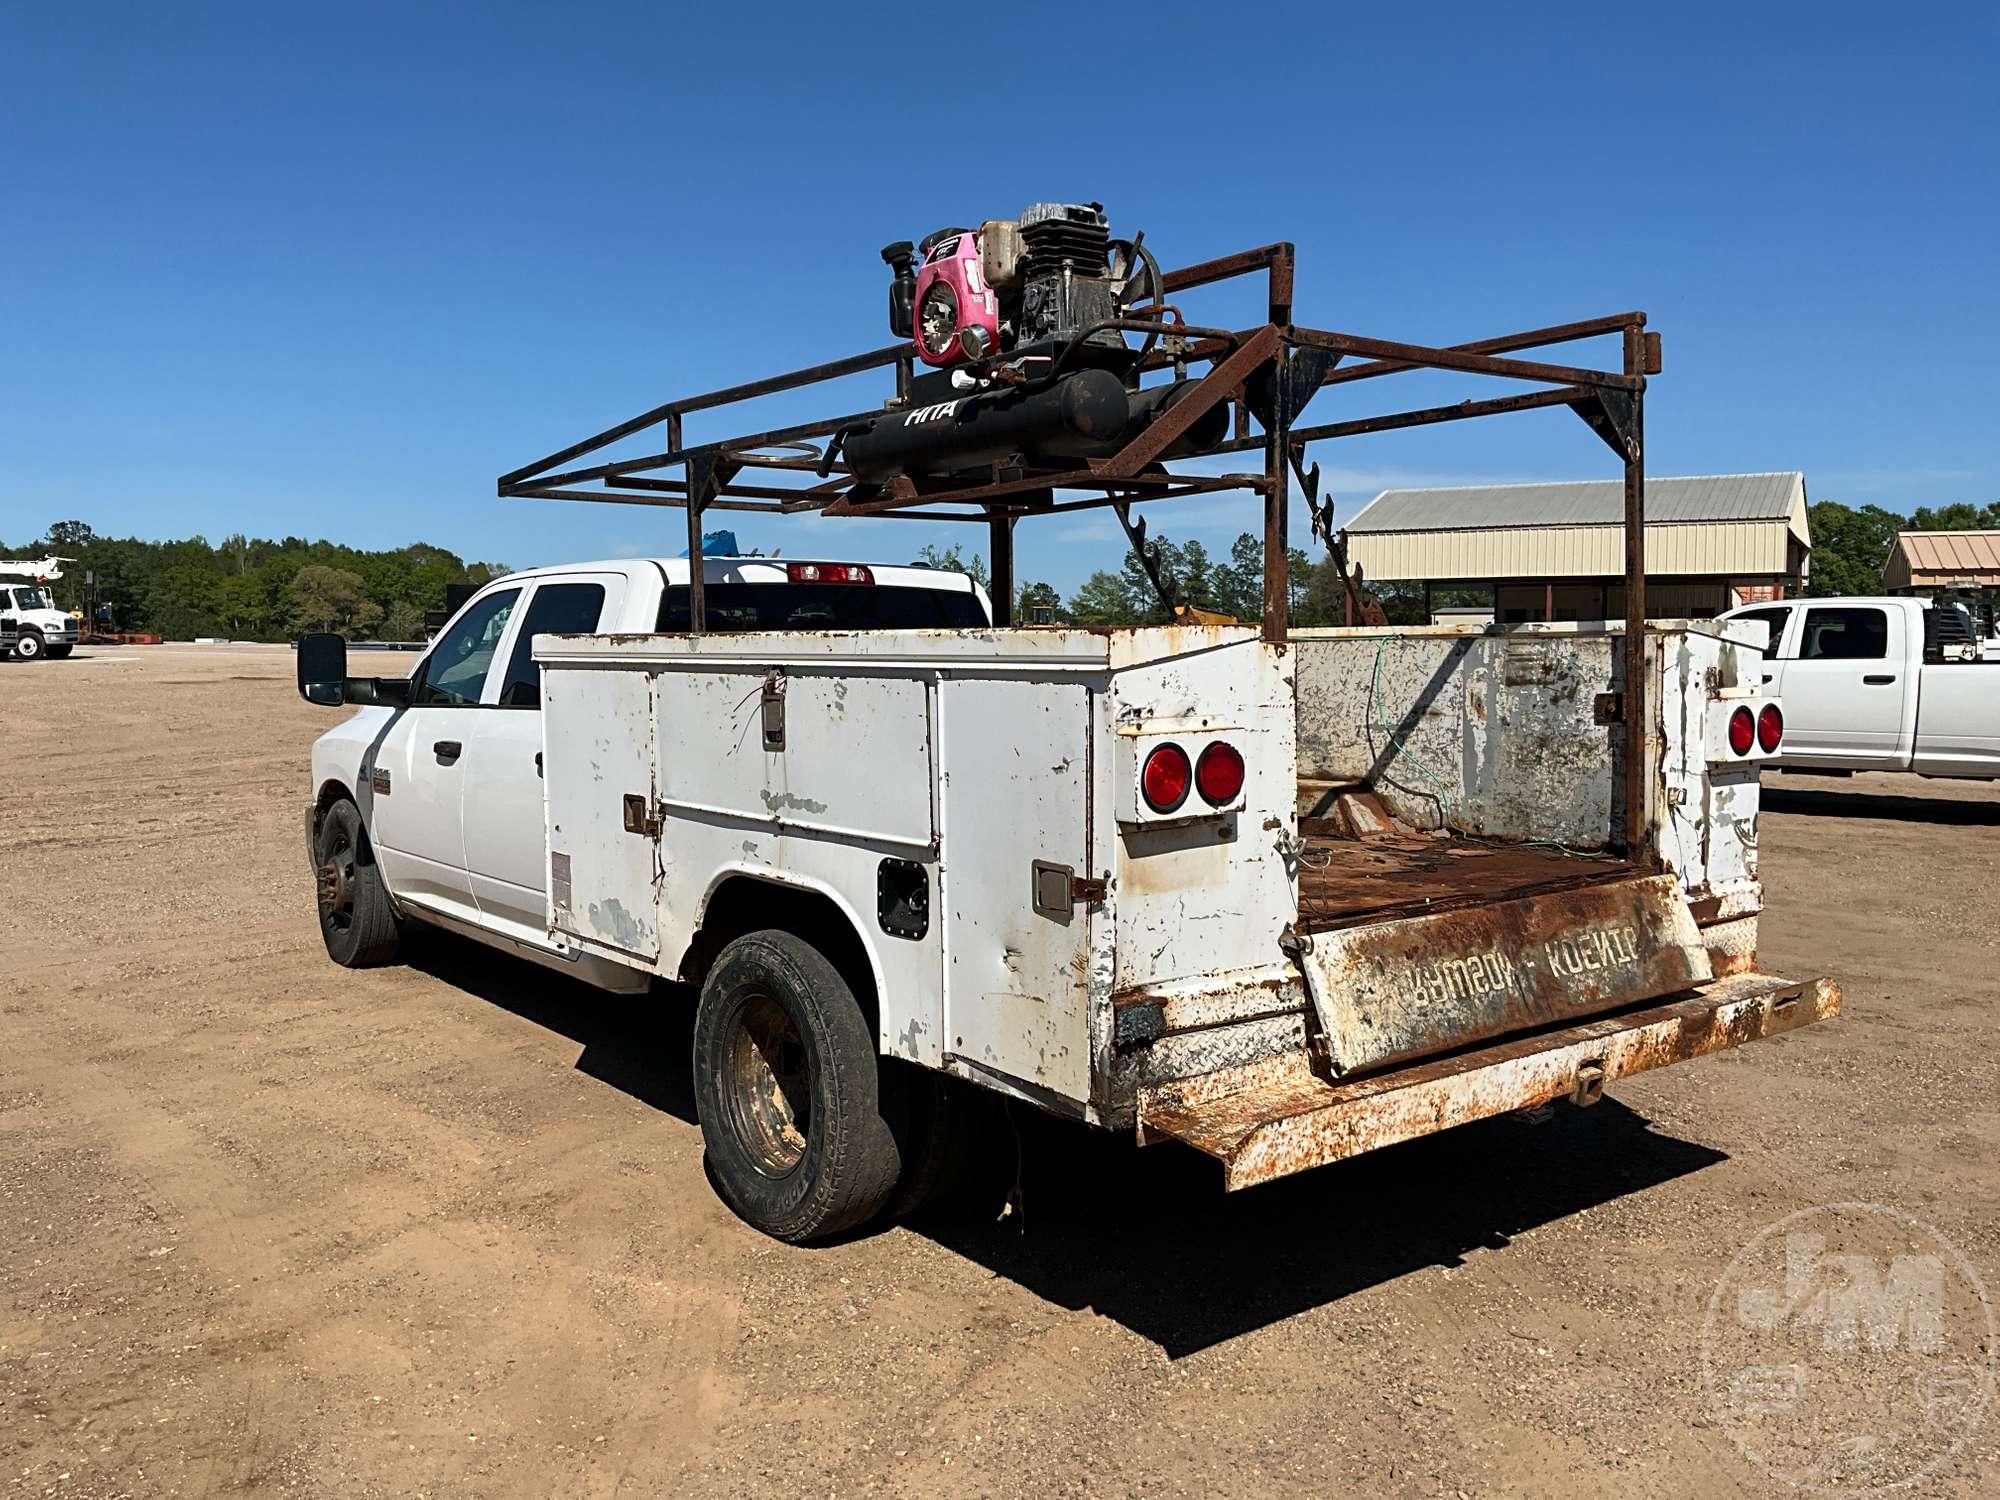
{"x":1742,"y":731}
{"x":1165,"y":779}
{"x":1770,"y":728}
{"x":1218,"y":774}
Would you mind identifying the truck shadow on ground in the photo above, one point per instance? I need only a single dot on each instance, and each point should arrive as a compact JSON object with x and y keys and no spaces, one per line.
{"x":640,"y":1045}
{"x":1819,"y":803}
{"x":1147,"y":1238}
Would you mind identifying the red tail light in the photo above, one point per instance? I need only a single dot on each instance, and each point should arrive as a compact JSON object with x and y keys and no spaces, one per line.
{"x":1165,"y":779}
{"x":1770,"y":728}
{"x":828,"y":573}
{"x":1742,"y":731}
{"x":1218,"y":774}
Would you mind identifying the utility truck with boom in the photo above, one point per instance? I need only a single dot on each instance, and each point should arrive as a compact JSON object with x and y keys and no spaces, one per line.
{"x":31,"y":627}
{"x":1280,"y":896}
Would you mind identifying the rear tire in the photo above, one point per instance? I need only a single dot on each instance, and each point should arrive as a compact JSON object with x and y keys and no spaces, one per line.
{"x":28,"y":645}
{"x":787,"y":1084}
{"x":357,"y":921}
{"x":943,"y":1126}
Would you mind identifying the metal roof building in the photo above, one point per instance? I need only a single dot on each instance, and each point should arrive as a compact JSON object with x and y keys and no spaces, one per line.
{"x":1556,"y":551}
{"x":1942,"y":560}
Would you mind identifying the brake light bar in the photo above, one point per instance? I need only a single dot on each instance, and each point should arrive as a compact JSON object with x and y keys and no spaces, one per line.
{"x":828,"y":573}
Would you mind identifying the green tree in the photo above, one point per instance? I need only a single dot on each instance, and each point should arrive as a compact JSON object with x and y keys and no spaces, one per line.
{"x":1238,"y":587}
{"x":1850,"y":546}
{"x":324,"y":598}
{"x":1962,"y":516}
{"x":1036,"y":596}
{"x":952,"y":559}
{"x":404,"y":621}
{"x":241,"y":605}
{"x":1105,"y":599}
{"x":67,"y":536}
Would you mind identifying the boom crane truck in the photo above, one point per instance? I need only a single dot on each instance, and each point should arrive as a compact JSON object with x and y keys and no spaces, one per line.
{"x":31,"y":627}
{"x":1279,"y":896}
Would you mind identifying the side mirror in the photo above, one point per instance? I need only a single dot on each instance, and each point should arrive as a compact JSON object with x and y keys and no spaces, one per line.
{"x":322,"y":662}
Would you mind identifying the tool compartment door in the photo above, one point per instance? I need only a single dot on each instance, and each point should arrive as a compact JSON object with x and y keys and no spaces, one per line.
{"x":598,"y":751}
{"x":1015,"y":815}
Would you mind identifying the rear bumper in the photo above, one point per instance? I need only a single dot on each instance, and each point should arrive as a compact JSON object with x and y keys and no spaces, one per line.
{"x":1271,"y":1118}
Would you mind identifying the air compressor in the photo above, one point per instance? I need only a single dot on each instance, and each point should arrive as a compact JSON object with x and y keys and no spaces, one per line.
{"x":1018,"y":323}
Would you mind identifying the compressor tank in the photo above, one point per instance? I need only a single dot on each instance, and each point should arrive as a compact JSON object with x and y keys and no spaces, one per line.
{"x":1087,"y":414}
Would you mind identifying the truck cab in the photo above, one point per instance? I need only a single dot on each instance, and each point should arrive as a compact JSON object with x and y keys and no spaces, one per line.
{"x":31,"y":627}
{"x":1883,"y":683}
{"x":464,"y":733}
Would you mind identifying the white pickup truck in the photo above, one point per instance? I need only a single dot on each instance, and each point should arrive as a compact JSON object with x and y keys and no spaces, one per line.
{"x":1282,"y":901}
{"x":1870,"y":684}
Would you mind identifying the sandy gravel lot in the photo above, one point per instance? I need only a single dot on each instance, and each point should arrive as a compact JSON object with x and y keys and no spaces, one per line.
{"x":270,"y":1227}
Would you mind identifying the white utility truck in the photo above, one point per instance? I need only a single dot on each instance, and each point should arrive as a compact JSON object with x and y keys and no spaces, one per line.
{"x":1283,"y":902}
{"x":1284,"y":897}
{"x":31,"y":627}
{"x":1881,"y":684}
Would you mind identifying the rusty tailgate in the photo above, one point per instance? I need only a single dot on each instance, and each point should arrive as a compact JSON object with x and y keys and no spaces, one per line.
{"x":1392,"y":991}
{"x":1269,"y":1118}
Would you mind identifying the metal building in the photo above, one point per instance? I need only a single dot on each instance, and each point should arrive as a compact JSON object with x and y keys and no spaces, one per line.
{"x":1926,"y":562}
{"x":1555,"y":551}
{"x":1961,"y":565}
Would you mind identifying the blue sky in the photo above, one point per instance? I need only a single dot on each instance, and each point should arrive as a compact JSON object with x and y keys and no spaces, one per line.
{"x":330,"y":272}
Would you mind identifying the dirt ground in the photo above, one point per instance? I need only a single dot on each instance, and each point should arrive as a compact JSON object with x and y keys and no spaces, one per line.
{"x":270,"y":1227}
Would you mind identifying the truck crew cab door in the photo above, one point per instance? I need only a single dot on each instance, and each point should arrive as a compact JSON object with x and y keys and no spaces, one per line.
{"x":417,"y":779}
{"x":506,"y":838}
{"x":1844,"y":677}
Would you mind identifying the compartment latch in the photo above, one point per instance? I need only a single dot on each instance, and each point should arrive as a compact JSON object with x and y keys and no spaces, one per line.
{"x":639,"y":817}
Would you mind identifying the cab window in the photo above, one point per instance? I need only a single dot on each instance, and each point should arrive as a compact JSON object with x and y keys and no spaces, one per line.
{"x":1774,"y":617}
{"x":1845,"y":634}
{"x":554,"y":609}
{"x":456,"y":669}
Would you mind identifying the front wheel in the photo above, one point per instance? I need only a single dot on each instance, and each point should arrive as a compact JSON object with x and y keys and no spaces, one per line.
{"x":356,"y":919}
{"x":57,"y":653}
{"x":788,"y":1088}
{"x":29,"y":645}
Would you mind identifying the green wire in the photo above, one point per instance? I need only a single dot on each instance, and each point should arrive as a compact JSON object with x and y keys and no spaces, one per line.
{"x":1445,"y":793}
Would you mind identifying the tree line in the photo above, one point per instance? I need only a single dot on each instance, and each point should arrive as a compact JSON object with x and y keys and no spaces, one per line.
{"x":257,"y":588}
{"x":252,"y":588}
{"x":1851,"y":544}
{"x":1127,"y":596}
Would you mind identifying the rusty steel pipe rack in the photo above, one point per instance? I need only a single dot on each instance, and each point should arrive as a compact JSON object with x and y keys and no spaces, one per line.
{"x":1292,"y":364}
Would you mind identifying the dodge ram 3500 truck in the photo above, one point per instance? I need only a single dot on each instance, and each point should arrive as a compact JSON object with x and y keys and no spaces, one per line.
{"x":1872,"y":684}
{"x":1282,"y":901}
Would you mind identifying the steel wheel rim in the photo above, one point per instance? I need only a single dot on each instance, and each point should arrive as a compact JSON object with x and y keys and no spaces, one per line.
{"x":769,"y":1085}
{"x":335,"y":887}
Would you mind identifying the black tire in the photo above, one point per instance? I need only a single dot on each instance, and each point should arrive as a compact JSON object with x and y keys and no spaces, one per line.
{"x":57,"y":653}
{"x":356,"y":919}
{"x":787,"y":1083}
{"x":28,"y":645}
{"x":943,"y":1128}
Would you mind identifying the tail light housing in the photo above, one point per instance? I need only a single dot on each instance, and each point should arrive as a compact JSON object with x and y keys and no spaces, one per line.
{"x":1770,"y":728}
{"x":799,"y":572}
{"x":1218,"y":773}
{"x":1165,"y":778}
{"x":1179,"y":772}
{"x":1742,"y":731}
